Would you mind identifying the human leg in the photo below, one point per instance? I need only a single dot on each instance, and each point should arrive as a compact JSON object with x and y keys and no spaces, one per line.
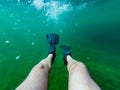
{"x":79,"y":78}
{"x":38,"y":77}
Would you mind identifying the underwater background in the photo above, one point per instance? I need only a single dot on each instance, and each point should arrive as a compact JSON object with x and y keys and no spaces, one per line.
{"x":90,"y":27}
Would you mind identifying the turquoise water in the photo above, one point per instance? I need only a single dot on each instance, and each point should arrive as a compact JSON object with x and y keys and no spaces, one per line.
{"x":90,"y":27}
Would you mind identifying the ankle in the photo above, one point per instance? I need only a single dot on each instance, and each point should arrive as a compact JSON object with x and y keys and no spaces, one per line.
{"x":51,"y":56}
{"x":68,"y":57}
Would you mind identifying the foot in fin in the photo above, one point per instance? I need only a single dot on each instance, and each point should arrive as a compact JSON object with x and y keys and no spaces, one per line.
{"x":66,"y":51}
{"x":53,"y":40}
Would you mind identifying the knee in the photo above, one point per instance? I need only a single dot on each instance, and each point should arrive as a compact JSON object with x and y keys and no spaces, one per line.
{"x":38,"y":71}
{"x":80,"y":64}
{"x":77,"y":65}
{"x":39,"y":67}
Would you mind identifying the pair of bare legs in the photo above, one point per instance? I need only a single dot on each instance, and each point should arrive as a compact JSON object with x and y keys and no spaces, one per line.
{"x":79,"y":78}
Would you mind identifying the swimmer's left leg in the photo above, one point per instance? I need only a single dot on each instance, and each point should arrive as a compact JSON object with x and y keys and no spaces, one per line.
{"x":38,"y":77}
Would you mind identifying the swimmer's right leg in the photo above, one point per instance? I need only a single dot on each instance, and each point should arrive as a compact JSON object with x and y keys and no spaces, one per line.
{"x":79,"y":78}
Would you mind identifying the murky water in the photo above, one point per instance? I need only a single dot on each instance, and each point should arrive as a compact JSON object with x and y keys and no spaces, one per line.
{"x":90,"y":27}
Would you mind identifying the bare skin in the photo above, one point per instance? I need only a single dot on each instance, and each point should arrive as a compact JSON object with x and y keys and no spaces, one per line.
{"x":38,"y":77}
{"x":79,"y":78}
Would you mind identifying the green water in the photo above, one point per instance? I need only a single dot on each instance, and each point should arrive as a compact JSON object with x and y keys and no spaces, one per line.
{"x":91,"y":28}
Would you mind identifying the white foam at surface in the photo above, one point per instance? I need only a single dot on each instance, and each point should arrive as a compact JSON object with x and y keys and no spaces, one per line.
{"x":53,"y":8}
{"x":38,"y":4}
{"x":57,"y":9}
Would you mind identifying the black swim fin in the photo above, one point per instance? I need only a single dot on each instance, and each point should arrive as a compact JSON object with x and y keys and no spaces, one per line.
{"x":52,"y":38}
{"x":66,"y":51}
